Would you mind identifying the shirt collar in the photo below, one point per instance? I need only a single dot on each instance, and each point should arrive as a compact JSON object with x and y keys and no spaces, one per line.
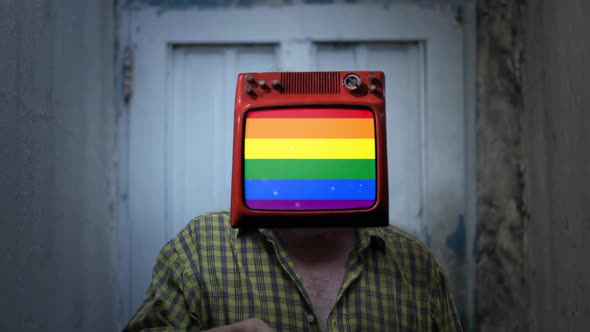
{"x":366,"y":236}
{"x":370,"y":236}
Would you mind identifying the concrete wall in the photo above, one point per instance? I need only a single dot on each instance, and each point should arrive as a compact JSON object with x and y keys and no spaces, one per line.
{"x":57,"y":185}
{"x":500,"y":283}
{"x":533,"y":166}
{"x":557,"y":135}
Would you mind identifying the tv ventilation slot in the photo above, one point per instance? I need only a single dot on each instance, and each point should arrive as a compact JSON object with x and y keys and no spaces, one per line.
{"x":310,"y":83}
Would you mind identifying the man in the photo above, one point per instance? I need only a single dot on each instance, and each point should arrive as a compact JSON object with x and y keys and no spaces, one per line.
{"x":211,"y":276}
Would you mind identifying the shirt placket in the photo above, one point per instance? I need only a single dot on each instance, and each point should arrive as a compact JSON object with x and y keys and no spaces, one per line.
{"x":289,"y":266}
{"x":354,"y":270}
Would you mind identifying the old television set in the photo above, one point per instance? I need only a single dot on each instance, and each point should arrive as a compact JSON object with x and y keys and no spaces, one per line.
{"x":309,"y":150}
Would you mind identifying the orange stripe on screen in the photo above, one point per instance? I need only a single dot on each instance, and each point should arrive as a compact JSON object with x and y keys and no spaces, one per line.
{"x":310,"y":128}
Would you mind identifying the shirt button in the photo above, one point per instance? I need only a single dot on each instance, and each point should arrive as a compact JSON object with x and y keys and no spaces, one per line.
{"x":310,"y":318}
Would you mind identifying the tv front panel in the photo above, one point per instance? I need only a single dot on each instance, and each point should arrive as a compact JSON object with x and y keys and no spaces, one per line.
{"x":309,"y":150}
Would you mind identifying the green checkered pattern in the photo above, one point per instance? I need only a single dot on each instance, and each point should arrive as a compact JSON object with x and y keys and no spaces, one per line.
{"x":211,"y":275}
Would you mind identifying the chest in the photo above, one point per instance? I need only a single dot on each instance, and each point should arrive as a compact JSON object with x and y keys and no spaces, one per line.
{"x":371,"y":302}
{"x":322,"y":284}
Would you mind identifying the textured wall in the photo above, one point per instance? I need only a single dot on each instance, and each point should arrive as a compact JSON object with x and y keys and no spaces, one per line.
{"x":57,"y":143}
{"x":533,"y":166}
{"x":557,"y":104}
{"x":501,"y":289}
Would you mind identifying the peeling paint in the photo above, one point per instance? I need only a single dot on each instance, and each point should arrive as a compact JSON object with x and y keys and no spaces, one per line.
{"x":457,"y":241}
{"x":426,"y":235}
{"x":208,"y":4}
{"x":246,"y":3}
{"x":318,"y":1}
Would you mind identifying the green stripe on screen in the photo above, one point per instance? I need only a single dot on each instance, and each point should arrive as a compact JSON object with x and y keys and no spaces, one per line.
{"x":309,"y":168}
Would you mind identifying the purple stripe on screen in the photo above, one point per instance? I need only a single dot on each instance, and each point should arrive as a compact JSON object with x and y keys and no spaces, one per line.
{"x":269,"y":204}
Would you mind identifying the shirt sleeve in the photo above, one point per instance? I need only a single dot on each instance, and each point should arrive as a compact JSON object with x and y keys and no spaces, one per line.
{"x":171,"y":299}
{"x":444,"y":312}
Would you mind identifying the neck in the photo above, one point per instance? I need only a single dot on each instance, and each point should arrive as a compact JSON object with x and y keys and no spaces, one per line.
{"x":317,"y":244}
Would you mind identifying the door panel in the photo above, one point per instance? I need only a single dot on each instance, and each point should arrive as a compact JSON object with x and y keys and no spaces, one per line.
{"x":203,"y":85}
{"x":400,"y":63}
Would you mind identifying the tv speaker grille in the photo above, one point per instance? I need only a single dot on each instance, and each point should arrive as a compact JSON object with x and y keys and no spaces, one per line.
{"x":311,"y":83}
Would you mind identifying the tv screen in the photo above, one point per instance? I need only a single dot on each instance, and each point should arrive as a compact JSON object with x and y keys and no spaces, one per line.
{"x":309,"y":159}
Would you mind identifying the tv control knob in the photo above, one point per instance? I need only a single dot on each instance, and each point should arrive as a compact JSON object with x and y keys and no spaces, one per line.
{"x":352,"y":81}
{"x":250,"y":91}
{"x":276,"y":85}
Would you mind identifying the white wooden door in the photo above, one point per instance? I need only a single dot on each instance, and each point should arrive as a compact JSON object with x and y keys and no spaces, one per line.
{"x":201,"y":90}
{"x":401,"y":63}
{"x":180,"y":117}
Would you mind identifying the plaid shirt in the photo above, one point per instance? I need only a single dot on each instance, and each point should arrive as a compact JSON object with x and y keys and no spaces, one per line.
{"x":211,"y":275}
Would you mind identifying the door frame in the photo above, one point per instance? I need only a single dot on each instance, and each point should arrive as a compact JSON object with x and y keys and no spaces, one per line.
{"x":150,"y":32}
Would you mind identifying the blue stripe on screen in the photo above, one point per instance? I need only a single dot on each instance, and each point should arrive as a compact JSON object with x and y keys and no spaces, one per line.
{"x":331,"y":189}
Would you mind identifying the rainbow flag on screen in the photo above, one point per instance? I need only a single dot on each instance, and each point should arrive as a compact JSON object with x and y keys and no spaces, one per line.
{"x":309,"y":159}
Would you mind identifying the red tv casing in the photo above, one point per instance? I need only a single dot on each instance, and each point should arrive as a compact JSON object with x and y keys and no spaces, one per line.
{"x":299,"y":90}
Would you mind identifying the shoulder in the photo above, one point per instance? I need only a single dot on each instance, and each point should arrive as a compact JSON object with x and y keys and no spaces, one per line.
{"x":412,"y":255}
{"x":211,"y":226}
{"x":403,"y":242}
{"x":205,"y":233}
{"x":211,"y":220}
